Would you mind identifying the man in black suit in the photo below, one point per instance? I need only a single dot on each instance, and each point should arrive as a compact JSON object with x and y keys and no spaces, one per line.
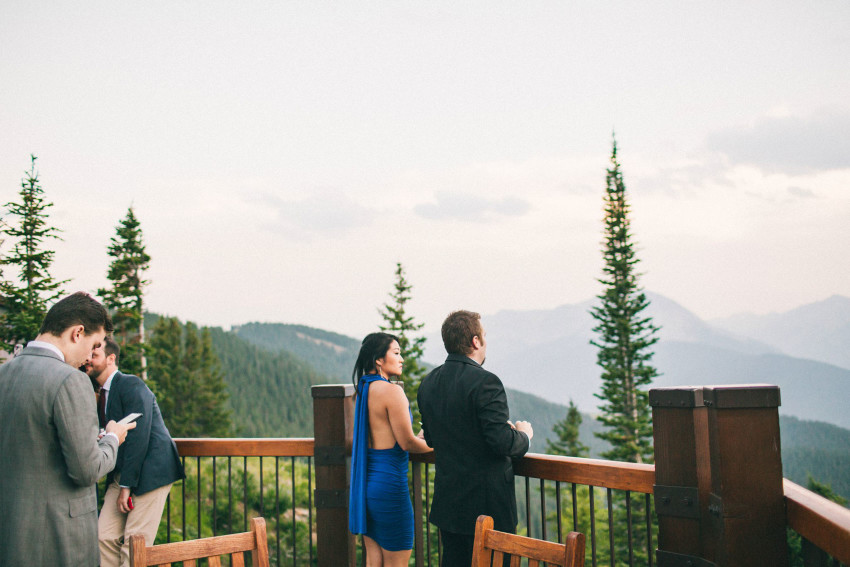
{"x":147,"y":465}
{"x":465,"y":419}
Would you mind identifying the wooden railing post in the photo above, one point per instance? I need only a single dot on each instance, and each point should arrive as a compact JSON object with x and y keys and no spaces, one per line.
{"x":718,"y":473}
{"x":333,"y":419}
{"x":747,"y":503}
{"x":682,"y":470}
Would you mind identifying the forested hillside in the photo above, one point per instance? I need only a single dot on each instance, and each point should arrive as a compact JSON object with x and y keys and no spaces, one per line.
{"x":269,"y":369}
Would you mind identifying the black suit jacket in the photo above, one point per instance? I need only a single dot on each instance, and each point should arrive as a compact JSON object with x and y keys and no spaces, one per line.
{"x":148,"y":457}
{"x":464,"y":414}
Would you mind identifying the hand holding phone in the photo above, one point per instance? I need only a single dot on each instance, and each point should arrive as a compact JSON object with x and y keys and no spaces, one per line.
{"x":129,"y":418}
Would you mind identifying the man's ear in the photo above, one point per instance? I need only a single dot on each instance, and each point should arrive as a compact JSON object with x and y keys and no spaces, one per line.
{"x":476,"y":343}
{"x":77,"y":333}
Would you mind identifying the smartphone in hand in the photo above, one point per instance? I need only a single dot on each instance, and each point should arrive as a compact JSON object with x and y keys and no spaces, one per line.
{"x":130,"y":417}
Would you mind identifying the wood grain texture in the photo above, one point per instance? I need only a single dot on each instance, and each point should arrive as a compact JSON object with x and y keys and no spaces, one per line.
{"x":245,"y":447}
{"x":491,"y":545}
{"x":821,"y":521}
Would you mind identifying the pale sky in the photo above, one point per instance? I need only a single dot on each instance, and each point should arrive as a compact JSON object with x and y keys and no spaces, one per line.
{"x":283,"y":156}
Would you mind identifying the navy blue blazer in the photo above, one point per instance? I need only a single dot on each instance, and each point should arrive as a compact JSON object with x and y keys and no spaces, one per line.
{"x":148,"y":458}
{"x":465,"y":417}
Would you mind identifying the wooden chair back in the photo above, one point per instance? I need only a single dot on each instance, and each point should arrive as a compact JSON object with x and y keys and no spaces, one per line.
{"x":212,"y":548}
{"x":491,"y":547}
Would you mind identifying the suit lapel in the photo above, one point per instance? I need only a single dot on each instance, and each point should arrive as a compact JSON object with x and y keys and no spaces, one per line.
{"x":112,"y":401}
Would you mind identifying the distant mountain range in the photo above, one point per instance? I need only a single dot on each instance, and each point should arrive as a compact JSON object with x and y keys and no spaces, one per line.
{"x":548,"y":353}
{"x":544,"y":358}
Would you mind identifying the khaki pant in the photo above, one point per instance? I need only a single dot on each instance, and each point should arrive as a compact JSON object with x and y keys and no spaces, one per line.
{"x":114,"y":528}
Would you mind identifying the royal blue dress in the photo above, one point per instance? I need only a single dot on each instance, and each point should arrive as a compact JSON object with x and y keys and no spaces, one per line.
{"x":379,"y":501}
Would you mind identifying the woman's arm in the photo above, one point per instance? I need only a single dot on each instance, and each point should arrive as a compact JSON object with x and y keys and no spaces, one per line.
{"x":398,"y":411}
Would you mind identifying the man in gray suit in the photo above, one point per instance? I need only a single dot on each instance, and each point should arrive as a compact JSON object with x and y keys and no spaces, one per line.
{"x":49,"y":446}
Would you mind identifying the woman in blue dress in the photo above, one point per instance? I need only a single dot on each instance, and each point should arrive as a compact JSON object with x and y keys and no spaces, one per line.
{"x":379,"y":506}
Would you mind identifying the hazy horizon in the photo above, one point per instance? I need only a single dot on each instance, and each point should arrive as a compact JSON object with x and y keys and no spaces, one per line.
{"x":281,"y":158}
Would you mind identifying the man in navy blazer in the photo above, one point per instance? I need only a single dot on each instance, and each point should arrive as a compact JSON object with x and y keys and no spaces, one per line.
{"x":465,"y":419}
{"x":147,"y":464}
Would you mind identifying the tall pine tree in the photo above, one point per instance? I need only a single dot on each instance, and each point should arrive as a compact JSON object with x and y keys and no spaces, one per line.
{"x":124,"y":298}
{"x":25,"y":301}
{"x":624,"y":334}
{"x":402,"y":325}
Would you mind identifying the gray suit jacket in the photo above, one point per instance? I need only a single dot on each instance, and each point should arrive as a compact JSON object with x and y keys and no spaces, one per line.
{"x":50,"y":460}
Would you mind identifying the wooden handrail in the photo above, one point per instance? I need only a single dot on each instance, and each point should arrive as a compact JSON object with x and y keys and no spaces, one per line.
{"x":245,"y":447}
{"x":596,"y":472}
{"x":821,"y":521}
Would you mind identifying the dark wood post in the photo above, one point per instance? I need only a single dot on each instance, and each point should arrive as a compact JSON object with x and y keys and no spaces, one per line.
{"x":333,"y":419}
{"x":746,"y":504}
{"x":682,"y":482}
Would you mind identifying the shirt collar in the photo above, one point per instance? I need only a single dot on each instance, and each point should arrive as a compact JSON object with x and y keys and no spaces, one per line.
{"x":49,"y":346}
{"x":108,"y":382}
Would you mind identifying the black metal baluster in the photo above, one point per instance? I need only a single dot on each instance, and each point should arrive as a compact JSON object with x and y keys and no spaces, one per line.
{"x":215,"y":509}
{"x":558,"y":508}
{"x":543,"y":509}
{"x":230,"y":495}
{"x":184,"y":500}
{"x":262,"y":507}
{"x":610,"y":524}
{"x":649,"y":529}
{"x":168,"y":518}
{"x":592,"y":524}
{"x":294,"y":552}
{"x":245,"y":494}
{"x":277,"y":506}
{"x":427,"y":508}
{"x":198,"y":464}
{"x":575,"y":508}
{"x":629,"y":527}
{"x":310,"y":504}
{"x":527,"y":506}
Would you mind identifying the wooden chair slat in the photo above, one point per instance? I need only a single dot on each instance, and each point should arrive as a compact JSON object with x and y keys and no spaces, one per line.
{"x":211,"y":548}
{"x":491,"y":543}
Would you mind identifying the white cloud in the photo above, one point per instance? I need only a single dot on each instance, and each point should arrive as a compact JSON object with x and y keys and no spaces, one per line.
{"x":789,"y":143}
{"x":466,"y":206}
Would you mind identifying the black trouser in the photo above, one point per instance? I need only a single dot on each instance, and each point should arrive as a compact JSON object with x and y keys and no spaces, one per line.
{"x":457,"y":550}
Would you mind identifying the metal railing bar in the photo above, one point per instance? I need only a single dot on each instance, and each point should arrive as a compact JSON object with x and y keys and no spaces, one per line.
{"x":575,"y":507}
{"x":592,"y":525}
{"x":610,"y":500}
{"x":649,"y":551}
{"x":245,"y":494}
{"x":527,"y":506}
{"x":543,"y":509}
{"x":629,"y":527}
{"x":198,"y":465}
{"x":183,"y":492}
{"x":277,"y":506}
{"x":310,"y":504}
{"x":294,"y":551}
{"x":215,"y":509}
{"x":558,"y":508}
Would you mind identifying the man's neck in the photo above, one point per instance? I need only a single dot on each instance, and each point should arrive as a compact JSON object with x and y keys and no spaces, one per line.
{"x":104,"y":376}
{"x":58,"y":342}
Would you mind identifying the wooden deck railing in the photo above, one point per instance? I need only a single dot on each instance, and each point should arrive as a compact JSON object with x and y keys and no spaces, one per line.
{"x":717,"y":455}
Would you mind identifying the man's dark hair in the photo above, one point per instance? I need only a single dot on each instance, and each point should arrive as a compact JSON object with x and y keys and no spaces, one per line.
{"x":458,"y":330}
{"x":77,"y":309}
{"x":111,"y":347}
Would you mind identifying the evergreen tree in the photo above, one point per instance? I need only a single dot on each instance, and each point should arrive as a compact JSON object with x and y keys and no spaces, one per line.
{"x":167,"y":378}
{"x":624,"y":335}
{"x":26,"y":301}
{"x":567,"y":430}
{"x":216,"y":417}
{"x":402,"y":325}
{"x":189,"y":383}
{"x":124,"y":299}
